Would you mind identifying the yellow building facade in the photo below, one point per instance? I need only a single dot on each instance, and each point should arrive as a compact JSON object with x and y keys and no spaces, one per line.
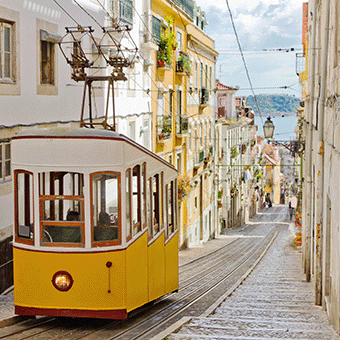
{"x":183,"y":105}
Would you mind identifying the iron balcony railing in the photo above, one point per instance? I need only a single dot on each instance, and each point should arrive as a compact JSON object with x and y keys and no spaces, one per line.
{"x":300,"y":63}
{"x":182,"y":124}
{"x":164,"y":127}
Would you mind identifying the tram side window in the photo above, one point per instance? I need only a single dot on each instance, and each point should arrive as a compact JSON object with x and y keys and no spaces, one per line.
{"x":171,"y":208}
{"x":24,"y":207}
{"x":144,"y":197}
{"x":61,"y":208}
{"x":156,"y":204}
{"x":136,"y":200}
{"x":128,"y":204}
{"x":149,"y":208}
{"x":106,"y":208}
{"x":161,"y":200}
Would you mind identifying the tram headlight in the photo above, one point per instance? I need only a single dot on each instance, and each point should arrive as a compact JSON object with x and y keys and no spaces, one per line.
{"x":62,"y":281}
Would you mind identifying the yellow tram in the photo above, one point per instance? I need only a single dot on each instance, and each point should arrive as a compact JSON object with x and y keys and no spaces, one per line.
{"x":95,"y":227}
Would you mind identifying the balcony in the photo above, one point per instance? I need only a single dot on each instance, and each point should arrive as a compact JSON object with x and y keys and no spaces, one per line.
{"x":182,"y":125}
{"x":204,"y":97}
{"x":300,"y":63}
{"x":183,"y":64}
{"x":164,"y":128}
{"x":199,"y":158}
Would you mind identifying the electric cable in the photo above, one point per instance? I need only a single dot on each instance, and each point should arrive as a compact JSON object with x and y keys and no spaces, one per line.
{"x":243,"y":59}
{"x":68,"y":14}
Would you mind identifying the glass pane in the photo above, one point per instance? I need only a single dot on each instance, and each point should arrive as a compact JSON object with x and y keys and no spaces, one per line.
{"x":143,"y":183}
{"x":105,"y":207}
{"x":62,"y":210}
{"x":170,"y":211}
{"x":61,"y":183}
{"x":24,"y":196}
{"x":62,"y":234}
{"x":128,"y":203}
{"x":7,"y":168}
{"x":136,"y":193}
{"x":7,"y":39}
{"x":149,"y":206}
{"x":7,"y":151}
{"x":7,"y":65}
{"x":155,"y":192}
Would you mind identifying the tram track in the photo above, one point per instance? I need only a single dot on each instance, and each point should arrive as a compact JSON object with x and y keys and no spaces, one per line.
{"x":148,"y":326}
{"x":143,"y":323}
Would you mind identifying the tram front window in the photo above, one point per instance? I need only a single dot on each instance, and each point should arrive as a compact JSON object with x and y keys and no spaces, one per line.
{"x":68,"y":213}
{"x":105,"y":208}
{"x":61,"y":208}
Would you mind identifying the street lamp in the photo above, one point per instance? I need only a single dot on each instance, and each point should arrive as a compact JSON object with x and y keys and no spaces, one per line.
{"x":268,"y":128}
{"x":295,"y":146}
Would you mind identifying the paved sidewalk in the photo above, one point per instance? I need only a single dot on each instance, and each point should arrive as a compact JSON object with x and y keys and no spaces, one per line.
{"x":274,"y":302}
{"x":7,"y":315}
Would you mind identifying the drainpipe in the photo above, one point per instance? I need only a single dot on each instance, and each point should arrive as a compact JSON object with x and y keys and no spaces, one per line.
{"x":321,"y":159}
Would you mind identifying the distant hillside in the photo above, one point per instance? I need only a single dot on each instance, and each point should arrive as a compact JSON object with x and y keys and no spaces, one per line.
{"x":274,"y":104}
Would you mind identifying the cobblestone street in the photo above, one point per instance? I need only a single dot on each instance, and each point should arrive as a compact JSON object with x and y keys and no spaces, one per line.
{"x":274,"y":302}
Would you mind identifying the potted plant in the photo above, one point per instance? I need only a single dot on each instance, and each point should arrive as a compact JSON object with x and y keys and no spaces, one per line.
{"x":183,"y":63}
{"x":166,"y":44}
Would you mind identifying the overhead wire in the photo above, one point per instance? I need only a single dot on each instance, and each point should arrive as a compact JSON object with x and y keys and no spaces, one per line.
{"x":183,"y":107}
{"x":68,"y":14}
{"x":91,"y":16}
{"x":243,"y":59}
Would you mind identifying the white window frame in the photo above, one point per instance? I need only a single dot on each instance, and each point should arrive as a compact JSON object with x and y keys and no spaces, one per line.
{"x":4,"y":144}
{"x":11,"y":86}
{"x":3,"y":53}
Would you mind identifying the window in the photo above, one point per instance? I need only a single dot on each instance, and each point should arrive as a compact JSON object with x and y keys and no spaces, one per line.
{"x":61,"y":209}
{"x":156,"y":29}
{"x":144,"y":195}
{"x":160,"y":104}
{"x":24,"y":209}
{"x":6,"y":51}
{"x":171,"y":102}
{"x":156,"y":204}
{"x":149,"y":208}
{"x":132,"y":130}
{"x":105,"y":209}
{"x":126,"y":12}
{"x":47,"y":62}
{"x":179,"y":102}
{"x":171,"y":204}
{"x":5,"y":160}
{"x":128,"y":204}
{"x":136,"y":200}
{"x":201,"y":75}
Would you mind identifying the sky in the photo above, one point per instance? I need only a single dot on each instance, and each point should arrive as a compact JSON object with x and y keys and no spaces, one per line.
{"x":260,"y":25}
